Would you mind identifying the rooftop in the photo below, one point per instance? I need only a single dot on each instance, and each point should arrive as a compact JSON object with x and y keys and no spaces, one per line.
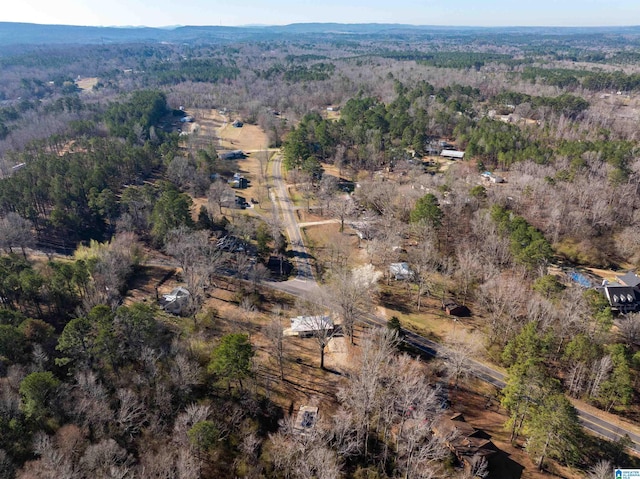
{"x":310,"y":323}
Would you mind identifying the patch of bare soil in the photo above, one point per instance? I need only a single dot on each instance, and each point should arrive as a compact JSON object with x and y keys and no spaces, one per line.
{"x":211,"y":124}
{"x":338,"y":357}
{"x":87,"y":83}
{"x":303,"y":215}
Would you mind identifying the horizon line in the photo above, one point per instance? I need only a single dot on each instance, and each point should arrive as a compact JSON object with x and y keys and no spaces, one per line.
{"x":174,"y":27}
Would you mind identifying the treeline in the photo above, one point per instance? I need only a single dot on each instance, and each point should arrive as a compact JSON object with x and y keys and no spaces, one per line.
{"x":298,"y":73}
{"x":568,"y":105}
{"x":371,"y":132}
{"x":75,"y":192}
{"x":496,"y":142}
{"x":451,"y":59}
{"x":201,"y":70}
{"x":134,"y":118}
{"x":11,"y":116}
{"x":307,"y":57}
{"x":591,"y":80}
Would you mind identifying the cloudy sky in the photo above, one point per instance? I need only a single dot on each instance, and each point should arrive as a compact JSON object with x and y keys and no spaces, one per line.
{"x":280,"y":12}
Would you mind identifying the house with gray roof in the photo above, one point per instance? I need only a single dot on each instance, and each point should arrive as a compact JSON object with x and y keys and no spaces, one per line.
{"x":624,"y":294}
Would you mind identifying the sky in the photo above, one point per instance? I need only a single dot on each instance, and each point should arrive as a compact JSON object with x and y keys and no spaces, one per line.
{"x":156,"y":13}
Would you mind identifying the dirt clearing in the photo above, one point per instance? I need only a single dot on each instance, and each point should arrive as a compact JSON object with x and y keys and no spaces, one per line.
{"x":87,"y":83}
{"x":212,"y":127}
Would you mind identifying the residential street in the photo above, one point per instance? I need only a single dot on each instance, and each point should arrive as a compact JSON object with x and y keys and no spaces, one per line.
{"x":280,"y":197}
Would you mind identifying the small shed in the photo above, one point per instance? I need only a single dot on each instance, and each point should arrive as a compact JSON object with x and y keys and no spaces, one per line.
{"x":176,"y":301}
{"x":455,"y":309}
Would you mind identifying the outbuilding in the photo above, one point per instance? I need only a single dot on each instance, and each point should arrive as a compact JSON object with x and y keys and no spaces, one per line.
{"x":452,"y":154}
{"x":400,"y":271}
{"x":176,"y":301}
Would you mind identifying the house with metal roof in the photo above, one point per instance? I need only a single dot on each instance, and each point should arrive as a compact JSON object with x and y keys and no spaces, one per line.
{"x":452,"y":154}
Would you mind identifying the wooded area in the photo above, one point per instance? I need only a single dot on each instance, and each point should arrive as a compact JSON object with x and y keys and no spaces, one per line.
{"x":460,"y":172}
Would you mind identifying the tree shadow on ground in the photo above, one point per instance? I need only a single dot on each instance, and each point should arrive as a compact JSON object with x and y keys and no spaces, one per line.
{"x":276,"y":268}
{"x":394,"y":302}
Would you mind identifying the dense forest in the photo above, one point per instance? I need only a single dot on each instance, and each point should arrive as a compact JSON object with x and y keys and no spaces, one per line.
{"x":100,"y":185}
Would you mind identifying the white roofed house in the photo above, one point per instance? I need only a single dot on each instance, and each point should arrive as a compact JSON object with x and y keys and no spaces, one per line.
{"x":319,"y":327}
{"x":400,"y":271}
{"x":307,"y":326}
{"x":453,"y":154}
{"x":176,"y":301}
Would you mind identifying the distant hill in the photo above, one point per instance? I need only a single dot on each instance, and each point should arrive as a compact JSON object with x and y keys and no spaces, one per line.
{"x":30,"y":33}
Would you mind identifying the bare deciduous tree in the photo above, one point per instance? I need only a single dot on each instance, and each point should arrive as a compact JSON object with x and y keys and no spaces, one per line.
{"x":131,"y":413}
{"x":322,"y":331}
{"x":504,"y":298}
{"x":600,"y":470}
{"x":304,"y":456}
{"x":629,"y":326}
{"x":600,"y":373}
{"x":106,"y":459}
{"x":461,"y":348}
{"x":273,"y":331}
{"x":185,"y":374}
{"x":342,"y":208}
{"x":424,"y":260}
{"x":199,"y":259}
{"x":217,"y":196}
{"x":16,"y":232}
{"x":352,"y":292}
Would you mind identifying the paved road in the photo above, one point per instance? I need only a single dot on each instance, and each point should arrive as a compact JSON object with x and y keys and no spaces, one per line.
{"x":487,"y":374}
{"x":280,"y":197}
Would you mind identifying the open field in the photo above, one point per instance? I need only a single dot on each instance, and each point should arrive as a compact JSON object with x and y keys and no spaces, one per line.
{"x":209,"y":124}
{"x":86,"y":83}
{"x":211,"y":128}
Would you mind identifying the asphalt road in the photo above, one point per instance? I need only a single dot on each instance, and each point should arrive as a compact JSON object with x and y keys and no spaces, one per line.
{"x":280,"y":197}
{"x":496,"y":378}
